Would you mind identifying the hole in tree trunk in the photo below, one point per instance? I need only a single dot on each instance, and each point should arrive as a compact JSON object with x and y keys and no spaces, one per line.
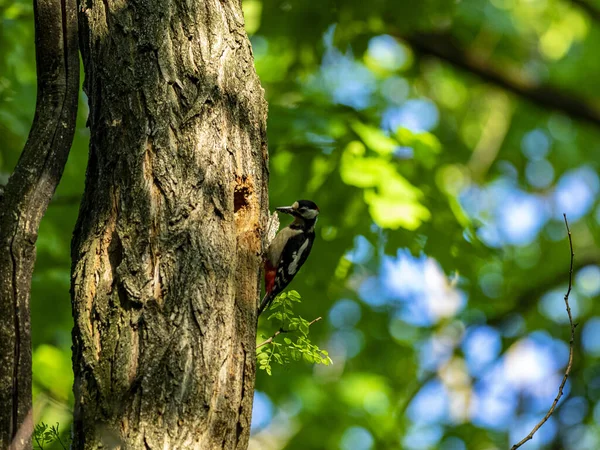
{"x":241,"y":195}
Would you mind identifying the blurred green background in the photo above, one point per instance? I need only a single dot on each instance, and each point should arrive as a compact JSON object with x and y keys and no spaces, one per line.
{"x":442,"y":141}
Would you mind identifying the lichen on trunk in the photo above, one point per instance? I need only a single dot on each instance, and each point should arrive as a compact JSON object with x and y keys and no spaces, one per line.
{"x":166,"y":251}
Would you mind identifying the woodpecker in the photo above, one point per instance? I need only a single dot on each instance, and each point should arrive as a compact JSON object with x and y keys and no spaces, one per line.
{"x":289,"y":249}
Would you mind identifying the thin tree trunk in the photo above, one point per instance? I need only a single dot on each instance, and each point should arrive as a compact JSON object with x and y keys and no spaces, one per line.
{"x":166,"y":252}
{"x":24,"y":203}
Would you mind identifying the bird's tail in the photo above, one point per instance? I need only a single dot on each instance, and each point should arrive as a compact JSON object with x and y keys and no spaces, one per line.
{"x":265,"y":303}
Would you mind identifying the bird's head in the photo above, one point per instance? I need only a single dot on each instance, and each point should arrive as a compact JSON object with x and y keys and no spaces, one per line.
{"x":302,"y":209}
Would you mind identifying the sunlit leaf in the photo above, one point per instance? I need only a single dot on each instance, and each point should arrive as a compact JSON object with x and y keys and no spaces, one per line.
{"x":374,"y":138}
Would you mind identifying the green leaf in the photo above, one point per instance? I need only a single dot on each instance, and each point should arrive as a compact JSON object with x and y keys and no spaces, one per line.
{"x":277,"y":315}
{"x":364,"y":172}
{"x":396,"y":210}
{"x":293,"y":295}
{"x":374,"y":138}
{"x":308,"y":358}
{"x":304,"y":328}
{"x":426,"y":146}
{"x":285,"y":349}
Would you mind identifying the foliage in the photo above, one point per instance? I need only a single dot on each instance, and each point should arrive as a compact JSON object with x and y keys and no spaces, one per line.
{"x":441,"y":257}
{"x":291,"y":326}
{"x":44,"y":435}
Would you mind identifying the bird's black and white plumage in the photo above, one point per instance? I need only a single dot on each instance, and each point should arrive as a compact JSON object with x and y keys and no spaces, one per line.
{"x":289,"y":249}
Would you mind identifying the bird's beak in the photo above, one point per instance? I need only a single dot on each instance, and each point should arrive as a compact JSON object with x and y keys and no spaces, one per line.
{"x":286,"y":209}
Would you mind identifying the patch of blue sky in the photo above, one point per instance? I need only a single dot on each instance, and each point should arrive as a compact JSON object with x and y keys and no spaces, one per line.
{"x":325,"y":143}
{"x":534,"y":367}
{"x":417,"y":115}
{"x":430,"y":405}
{"x":348,"y":81}
{"x":494,"y":401}
{"x":510,"y":216}
{"x":373,"y":293}
{"x":576,"y":192}
{"x":552,"y":305}
{"x":262,"y":411}
{"x":507,"y":214}
{"x":481,"y":346}
{"x":434,"y":352}
{"x":418,"y":287}
{"x":587,"y":281}
{"x":590,"y":336}
{"x":573,"y":411}
{"x":422,"y":437}
{"x":535,"y":144}
{"x":344,"y":313}
{"x":581,"y":437}
{"x":388,"y":53}
{"x":362,"y":251}
{"x":356,"y":438}
{"x":350,"y":341}
{"x":539,"y":173}
{"x":522,"y":425}
{"x":521,"y":216}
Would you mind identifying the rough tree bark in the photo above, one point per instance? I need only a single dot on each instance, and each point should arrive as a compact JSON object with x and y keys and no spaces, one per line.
{"x":166,"y":252}
{"x":24,"y":202}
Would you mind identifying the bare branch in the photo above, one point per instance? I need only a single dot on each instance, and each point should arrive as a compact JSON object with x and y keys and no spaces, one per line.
{"x":444,"y":47}
{"x":570,"y":364}
{"x":280,"y":331}
{"x":590,"y":9}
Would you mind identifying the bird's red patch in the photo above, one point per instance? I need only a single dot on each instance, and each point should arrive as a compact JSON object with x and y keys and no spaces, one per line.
{"x":270,"y":273}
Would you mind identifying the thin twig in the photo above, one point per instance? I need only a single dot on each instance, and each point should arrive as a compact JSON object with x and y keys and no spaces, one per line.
{"x":569,"y":365}
{"x":280,"y":331}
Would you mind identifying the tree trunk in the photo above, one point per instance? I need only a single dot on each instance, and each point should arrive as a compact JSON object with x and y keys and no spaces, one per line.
{"x":24,"y":202}
{"x":167,"y":249}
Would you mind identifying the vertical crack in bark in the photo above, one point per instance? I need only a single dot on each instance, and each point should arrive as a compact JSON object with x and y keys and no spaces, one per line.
{"x":239,"y":429}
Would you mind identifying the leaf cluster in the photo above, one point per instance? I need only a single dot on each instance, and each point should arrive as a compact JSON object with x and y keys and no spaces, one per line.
{"x":44,"y":435}
{"x":296,"y":345}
